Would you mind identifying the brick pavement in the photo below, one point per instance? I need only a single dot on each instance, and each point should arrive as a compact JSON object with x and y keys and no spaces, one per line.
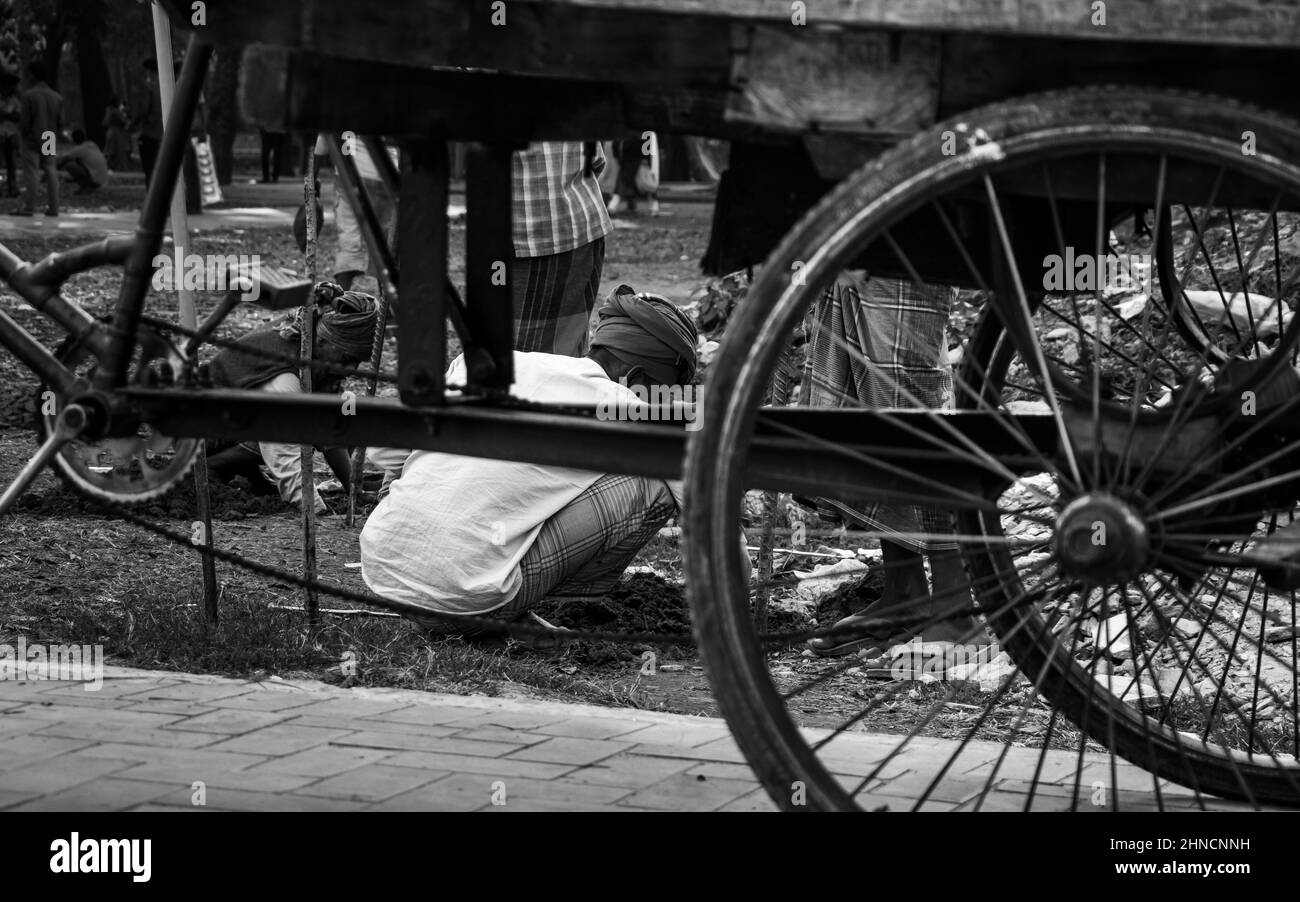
{"x":149,"y":740}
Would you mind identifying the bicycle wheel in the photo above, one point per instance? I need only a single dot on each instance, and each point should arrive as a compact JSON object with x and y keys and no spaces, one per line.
{"x":1079,"y":401}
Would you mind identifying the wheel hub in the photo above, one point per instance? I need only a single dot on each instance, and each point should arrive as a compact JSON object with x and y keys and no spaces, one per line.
{"x":1101,"y":539}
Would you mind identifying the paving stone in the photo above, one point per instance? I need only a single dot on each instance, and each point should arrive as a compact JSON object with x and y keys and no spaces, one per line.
{"x":1128,"y":777}
{"x":19,"y":690}
{"x":219,"y":799}
{"x":688,"y":735}
{"x":266,"y":700}
{"x":436,"y":797}
{"x":722,"y":770}
{"x":350,"y":708}
{"x":102,"y":732}
{"x":99,"y":795}
{"x":427,"y":714}
{"x":588,"y":728}
{"x":281,"y":739}
{"x":376,"y":726}
{"x":325,"y":761}
{"x":681,"y":792}
{"x":195,"y":759}
{"x":169,"y":706}
{"x":58,"y":773}
{"x":78,"y":699}
{"x":758,"y":800}
{"x":230,"y":721}
{"x":450,"y":745}
{"x":517,"y":738}
{"x":185,"y":776}
{"x":461,"y":791}
{"x":718,"y":750}
{"x":11,"y":797}
{"x":518,"y":720}
{"x":530,"y":807}
{"x":14,"y":725}
{"x":498,"y":767}
{"x":121,"y":719}
{"x":19,"y":751}
{"x":630,"y":771}
{"x":568,"y":750}
{"x":372,"y":783}
{"x":194,"y":692}
{"x":116,"y":687}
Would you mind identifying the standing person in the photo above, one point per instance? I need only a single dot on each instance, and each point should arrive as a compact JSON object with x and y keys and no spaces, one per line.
{"x":11,"y":106}
{"x":272,"y":149}
{"x":559,"y":228}
{"x":84,"y":162}
{"x":117,"y":144}
{"x":352,"y":258}
{"x":638,"y":174}
{"x":147,"y":121}
{"x":882,"y":343}
{"x":40,"y":121}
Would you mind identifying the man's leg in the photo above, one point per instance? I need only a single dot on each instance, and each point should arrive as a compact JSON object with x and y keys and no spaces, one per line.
{"x":583,"y":550}
{"x":78,"y":172}
{"x":351,"y":259}
{"x":11,"y":154}
{"x":51,"y":166}
{"x":31,"y":179}
{"x":148,"y":156}
{"x":553,"y":297}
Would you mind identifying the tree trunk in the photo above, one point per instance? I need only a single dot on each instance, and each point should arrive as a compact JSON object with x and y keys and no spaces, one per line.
{"x":223,"y":111}
{"x":96,"y":86}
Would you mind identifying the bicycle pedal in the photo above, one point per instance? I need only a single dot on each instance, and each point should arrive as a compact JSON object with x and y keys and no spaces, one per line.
{"x":267,"y":287}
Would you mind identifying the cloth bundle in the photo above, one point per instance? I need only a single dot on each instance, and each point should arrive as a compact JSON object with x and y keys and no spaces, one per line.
{"x":649,"y":331}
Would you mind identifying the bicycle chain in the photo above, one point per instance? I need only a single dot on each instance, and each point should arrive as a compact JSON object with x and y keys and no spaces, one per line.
{"x":790,"y":637}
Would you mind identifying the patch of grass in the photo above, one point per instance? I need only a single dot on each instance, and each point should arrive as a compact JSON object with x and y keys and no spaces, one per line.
{"x":253,"y":640}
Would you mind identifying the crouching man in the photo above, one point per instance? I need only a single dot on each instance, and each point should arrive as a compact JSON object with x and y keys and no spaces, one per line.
{"x":468,"y":536}
{"x":344,"y":330}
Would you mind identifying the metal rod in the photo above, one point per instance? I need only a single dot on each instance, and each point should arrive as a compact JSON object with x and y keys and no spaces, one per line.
{"x":71,"y":423}
{"x":138,"y":270}
{"x":307,"y":452}
{"x":185,"y":297}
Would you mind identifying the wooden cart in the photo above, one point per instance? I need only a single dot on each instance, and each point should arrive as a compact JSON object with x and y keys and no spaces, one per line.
{"x":953,"y":142}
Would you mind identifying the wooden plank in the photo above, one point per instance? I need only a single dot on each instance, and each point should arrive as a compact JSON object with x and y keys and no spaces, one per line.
{"x":1237,"y":22}
{"x":865,"y":83}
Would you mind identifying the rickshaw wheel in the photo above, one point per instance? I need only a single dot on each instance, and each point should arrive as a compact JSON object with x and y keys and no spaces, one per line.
{"x":1026,"y":175}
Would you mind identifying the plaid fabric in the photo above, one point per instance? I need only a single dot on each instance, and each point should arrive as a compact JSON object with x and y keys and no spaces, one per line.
{"x":882,"y":344}
{"x":583,"y":550}
{"x":553,"y":297}
{"x":557,"y":206}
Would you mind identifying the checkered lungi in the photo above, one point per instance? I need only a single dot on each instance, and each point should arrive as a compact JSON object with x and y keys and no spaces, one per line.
{"x":583,"y":549}
{"x":553,"y":297}
{"x":882,"y":343}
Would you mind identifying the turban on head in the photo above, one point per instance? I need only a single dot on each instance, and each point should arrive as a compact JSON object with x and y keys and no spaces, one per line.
{"x":345,"y":319}
{"x":648,"y":331}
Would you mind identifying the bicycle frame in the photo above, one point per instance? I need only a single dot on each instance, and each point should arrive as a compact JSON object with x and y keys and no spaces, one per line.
{"x":891,"y":465}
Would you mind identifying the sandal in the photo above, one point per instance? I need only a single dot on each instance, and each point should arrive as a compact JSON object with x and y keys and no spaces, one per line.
{"x":860,"y":631}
